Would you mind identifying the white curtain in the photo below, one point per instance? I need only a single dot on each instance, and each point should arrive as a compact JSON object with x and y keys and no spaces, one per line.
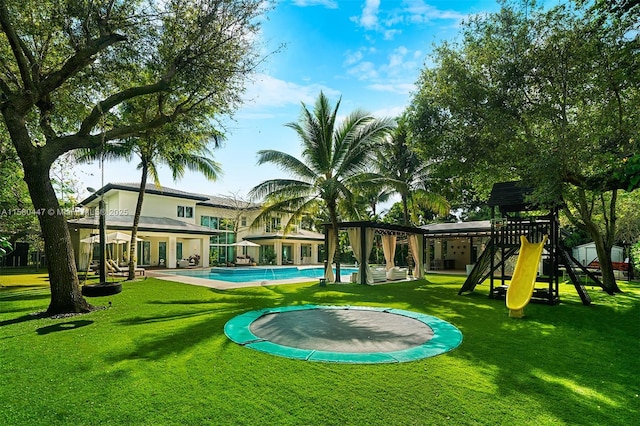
{"x":389,"y":249}
{"x":86,"y":250}
{"x":416,"y":250}
{"x":354,"y":240}
{"x":331,"y":251}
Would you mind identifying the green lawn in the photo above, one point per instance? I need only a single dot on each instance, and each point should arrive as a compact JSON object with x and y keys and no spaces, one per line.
{"x":159,"y":356}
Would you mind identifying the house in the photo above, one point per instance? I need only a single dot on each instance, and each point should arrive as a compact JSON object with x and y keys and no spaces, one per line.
{"x":176,"y":226}
{"x":586,"y":253}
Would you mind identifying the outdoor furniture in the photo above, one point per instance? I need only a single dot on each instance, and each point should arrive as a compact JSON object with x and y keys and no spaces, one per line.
{"x":378,"y":274}
{"x":118,"y":270}
{"x":243,"y":260}
{"x":397,"y":273}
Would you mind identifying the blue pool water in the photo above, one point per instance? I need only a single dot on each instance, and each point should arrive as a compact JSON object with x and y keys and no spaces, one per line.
{"x":262,"y":273}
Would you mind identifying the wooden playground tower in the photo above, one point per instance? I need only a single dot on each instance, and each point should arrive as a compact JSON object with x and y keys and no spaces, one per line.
{"x":510,"y":199}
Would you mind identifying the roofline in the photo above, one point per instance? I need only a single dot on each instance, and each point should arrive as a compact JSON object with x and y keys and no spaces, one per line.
{"x":225,"y":206}
{"x":108,"y":187}
{"x":283,"y":237}
{"x":378,"y":225}
{"x":142,"y":229}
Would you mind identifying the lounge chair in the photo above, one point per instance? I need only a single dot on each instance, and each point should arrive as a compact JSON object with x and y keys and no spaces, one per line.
{"x":397,"y":273}
{"x":379,"y":274}
{"x":118,"y":270}
{"x":243,"y":260}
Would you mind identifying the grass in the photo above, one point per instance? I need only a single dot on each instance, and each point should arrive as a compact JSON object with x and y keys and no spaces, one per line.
{"x":159,"y":356}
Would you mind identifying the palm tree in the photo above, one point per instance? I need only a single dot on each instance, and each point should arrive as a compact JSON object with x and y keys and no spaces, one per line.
{"x":408,"y":176}
{"x":335,"y":160}
{"x":172,"y":146}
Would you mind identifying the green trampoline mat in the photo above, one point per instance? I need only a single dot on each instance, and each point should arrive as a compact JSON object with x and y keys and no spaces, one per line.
{"x":345,"y":334}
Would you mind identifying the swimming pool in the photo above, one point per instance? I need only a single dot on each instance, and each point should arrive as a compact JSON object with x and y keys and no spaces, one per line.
{"x":262,"y":273}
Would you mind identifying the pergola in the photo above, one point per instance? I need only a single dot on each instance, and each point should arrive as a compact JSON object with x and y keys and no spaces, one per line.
{"x":361,"y":236}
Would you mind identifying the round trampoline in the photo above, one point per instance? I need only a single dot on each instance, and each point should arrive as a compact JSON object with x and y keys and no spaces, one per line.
{"x":345,"y":334}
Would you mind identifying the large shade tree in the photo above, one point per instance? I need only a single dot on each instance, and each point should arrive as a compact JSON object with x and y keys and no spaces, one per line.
{"x":547,"y":96}
{"x":71,"y":68}
{"x":335,"y":163}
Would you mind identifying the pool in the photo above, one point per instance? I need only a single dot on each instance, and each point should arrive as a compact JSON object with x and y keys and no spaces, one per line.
{"x":262,"y":273}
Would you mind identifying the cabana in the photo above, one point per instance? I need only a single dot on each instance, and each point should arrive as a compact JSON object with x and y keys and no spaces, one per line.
{"x":361,"y":236}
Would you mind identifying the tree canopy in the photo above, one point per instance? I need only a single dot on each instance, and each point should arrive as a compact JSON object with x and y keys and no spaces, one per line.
{"x":72,"y":71}
{"x":549,"y":96}
{"x":545,"y":96}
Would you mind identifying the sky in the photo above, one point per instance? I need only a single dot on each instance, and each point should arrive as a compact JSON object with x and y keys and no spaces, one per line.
{"x":367,"y":53}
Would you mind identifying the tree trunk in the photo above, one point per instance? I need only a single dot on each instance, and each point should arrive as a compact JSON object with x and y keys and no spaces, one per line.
{"x":334,"y":224}
{"x":66,"y":296}
{"x":405,"y":209}
{"x":136,"y":220}
{"x":604,"y":258}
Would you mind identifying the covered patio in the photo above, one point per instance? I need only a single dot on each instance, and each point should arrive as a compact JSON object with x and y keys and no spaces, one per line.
{"x":361,"y":237}
{"x":161,"y":242}
{"x":452,"y":246}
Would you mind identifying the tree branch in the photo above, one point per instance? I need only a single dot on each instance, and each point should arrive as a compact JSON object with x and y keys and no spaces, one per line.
{"x":77,"y":141}
{"x":78,"y":61}
{"x":104,"y":106}
{"x":16,"y":46}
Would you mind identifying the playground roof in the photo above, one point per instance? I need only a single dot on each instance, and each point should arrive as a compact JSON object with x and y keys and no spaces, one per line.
{"x":510,"y":196}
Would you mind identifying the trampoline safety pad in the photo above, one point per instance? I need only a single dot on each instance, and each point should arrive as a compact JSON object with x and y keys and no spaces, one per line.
{"x":343,"y":334}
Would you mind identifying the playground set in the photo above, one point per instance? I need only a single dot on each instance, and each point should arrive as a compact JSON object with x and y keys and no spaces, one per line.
{"x":533,"y":238}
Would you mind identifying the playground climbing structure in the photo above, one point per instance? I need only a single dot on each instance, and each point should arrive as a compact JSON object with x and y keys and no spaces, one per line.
{"x":510,"y":200}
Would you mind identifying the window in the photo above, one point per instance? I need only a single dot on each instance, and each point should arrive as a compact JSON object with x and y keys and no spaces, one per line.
{"x":243,"y":221}
{"x":185,"y":211}
{"x":273,"y":224}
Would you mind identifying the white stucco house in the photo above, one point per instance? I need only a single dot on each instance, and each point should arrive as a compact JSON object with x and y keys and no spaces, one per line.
{"x":177,"y":225}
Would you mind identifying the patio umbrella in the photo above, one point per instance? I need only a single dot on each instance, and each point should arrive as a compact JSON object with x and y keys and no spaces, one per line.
{"x":91,"y":240}
{"x":114,"y":237}
{"x":244,"y":244}
{"x":120,"y":238}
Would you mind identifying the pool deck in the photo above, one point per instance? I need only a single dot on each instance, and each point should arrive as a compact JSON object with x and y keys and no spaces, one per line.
{"x":218,"y":284}
{"x":165,"y":274}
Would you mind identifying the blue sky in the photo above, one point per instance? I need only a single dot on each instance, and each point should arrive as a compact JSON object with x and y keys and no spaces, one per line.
{"x":369,"y":52}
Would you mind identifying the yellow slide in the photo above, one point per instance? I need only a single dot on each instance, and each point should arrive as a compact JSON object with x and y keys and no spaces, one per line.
{"x":524,"y":276}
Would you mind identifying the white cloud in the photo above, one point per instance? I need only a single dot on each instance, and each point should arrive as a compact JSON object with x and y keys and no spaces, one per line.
{"x":397,"y":87}
{"x":390,"y":34}
{"x":353,"y":57}
{"x":411,"y":12}
{"x":270,"y":92}
{"x":329,"y":4}
{"x":369,"y":17}
{"x":364,"y":71}
{"x":396,"y":59}
{"x":419,"y":12}
{"x":393,"y":112}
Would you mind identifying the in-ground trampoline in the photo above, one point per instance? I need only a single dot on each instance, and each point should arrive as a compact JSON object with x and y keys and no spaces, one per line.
{"x":345,"y":334}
